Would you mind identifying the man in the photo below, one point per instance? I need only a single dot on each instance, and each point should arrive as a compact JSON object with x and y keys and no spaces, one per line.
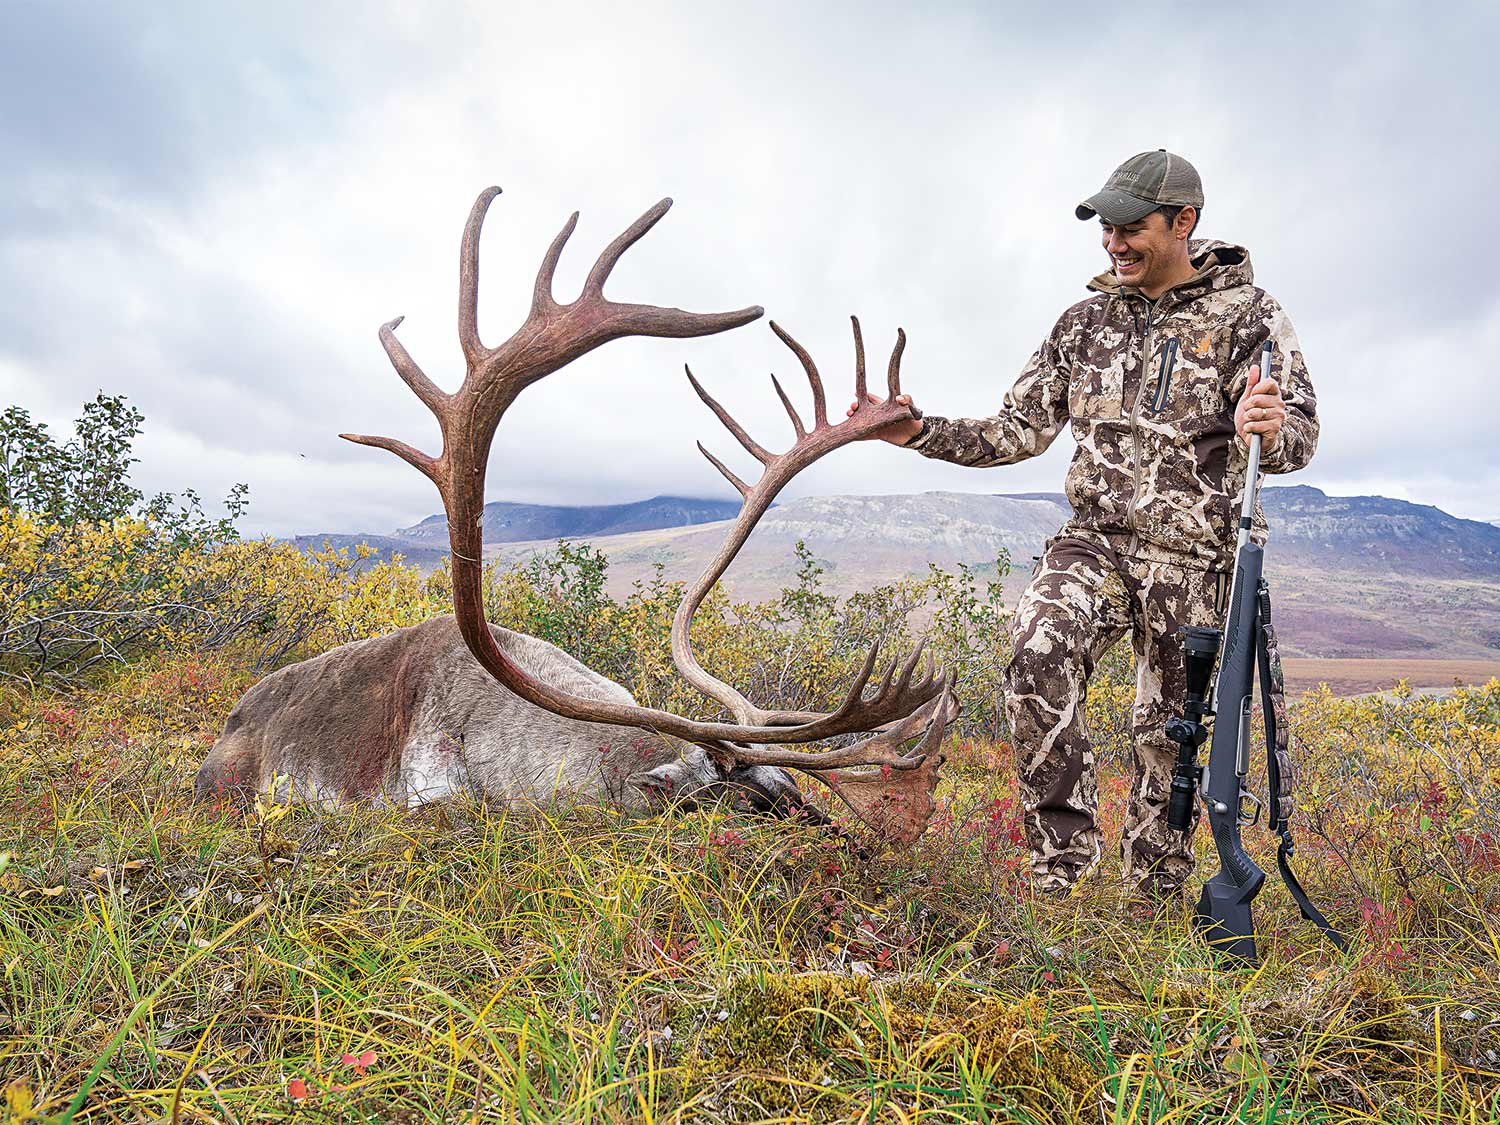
{"x":1154,"y":374}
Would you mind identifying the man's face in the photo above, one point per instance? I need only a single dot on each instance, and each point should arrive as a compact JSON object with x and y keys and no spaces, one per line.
{"x":1144,"y":253}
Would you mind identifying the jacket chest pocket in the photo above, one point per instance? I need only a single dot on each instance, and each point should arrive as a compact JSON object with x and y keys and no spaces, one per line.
{"x":1097,"y":393}
{"x":1183,"y":381}
{"x":1158,"y":389}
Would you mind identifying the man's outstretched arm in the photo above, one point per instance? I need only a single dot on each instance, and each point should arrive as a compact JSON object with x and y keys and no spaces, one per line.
{"x":1033,"y":413}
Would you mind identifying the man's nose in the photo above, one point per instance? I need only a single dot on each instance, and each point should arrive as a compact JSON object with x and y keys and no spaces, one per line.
{"x":1114,"y":243}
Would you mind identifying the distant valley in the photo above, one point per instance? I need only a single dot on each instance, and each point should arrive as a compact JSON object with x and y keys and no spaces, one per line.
{"x":1354,"y":577}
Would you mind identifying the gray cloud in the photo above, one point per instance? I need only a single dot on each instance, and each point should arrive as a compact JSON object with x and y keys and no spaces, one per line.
{"x":213,"y":208}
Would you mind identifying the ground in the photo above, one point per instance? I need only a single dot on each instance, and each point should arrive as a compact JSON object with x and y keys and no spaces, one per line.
{"x":166,"y":960}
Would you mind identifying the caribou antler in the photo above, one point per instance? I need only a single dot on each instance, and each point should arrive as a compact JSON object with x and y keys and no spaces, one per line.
{"x":899,"y":806}
{"x":891,"y":700}
{"x":553,"y":335}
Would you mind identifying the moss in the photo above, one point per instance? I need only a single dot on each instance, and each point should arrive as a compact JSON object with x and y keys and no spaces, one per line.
{"x":814,"y":1042}
{"x":772,"y":1053}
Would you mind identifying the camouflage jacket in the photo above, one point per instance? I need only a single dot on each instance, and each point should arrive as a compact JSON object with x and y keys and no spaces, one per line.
{"x":1150,"y":391}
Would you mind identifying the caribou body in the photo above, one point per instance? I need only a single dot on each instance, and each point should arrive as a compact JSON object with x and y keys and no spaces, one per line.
{"x":411,"y":717}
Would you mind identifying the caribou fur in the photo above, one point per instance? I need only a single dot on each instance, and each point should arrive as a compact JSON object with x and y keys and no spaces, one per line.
{"x":411,"y":717}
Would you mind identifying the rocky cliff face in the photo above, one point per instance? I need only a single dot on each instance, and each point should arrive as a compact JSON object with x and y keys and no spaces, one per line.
{"x":933,"y":525}
{"x":1366,"y":534}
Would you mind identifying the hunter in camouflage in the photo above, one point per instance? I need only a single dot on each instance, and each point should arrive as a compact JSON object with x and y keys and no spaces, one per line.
{"x":1156,"y":377}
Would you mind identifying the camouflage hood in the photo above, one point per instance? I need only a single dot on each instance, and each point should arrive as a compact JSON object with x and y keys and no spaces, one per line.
{"x":1148,"y":390}
{"x":1220,"y":265}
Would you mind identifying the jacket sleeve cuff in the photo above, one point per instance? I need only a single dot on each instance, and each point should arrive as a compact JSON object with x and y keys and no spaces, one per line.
{"x":1273,"y":456}
{"x":922,"y":436}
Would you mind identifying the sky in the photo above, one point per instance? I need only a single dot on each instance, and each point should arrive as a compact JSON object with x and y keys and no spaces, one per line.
{"x":211,"y":209}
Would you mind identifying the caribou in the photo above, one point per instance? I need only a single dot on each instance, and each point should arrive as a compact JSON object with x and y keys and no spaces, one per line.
{"x":458,"y":704}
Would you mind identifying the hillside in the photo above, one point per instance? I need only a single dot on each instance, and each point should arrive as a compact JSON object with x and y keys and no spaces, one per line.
{"x":1373,"y":534}
{"x":510,"y":523}
{"x":1354,"y":576}
{"x":423,"y":556}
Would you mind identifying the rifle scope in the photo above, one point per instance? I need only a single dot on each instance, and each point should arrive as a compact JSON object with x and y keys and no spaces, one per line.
{"x":1199,"y":651}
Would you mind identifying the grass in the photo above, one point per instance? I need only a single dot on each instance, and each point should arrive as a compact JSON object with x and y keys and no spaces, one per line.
{"x":165,"y":961}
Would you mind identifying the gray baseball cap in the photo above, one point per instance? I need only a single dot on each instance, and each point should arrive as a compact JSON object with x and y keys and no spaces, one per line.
{"x":1143,"y":183}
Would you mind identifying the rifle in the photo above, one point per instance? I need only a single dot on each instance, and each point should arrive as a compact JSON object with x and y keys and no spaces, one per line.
{"x":1223,"y":912}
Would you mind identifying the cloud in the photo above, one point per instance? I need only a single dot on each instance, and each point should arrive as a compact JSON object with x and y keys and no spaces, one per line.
{"x":213,"y":209}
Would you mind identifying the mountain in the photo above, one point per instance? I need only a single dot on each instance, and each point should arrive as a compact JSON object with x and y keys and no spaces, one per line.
{"x":1352,"y":576}
{"x":1372,"y":532}
{"x":510,"y":523}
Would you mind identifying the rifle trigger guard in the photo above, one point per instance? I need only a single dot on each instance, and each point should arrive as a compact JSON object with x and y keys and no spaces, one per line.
{"x":1254,"y":816}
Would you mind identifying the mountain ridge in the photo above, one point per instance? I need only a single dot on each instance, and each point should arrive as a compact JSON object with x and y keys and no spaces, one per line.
{"x":509,"y":522}
{"x":1352,"y":576}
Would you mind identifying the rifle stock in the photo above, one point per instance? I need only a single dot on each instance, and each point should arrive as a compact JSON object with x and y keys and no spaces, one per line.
{"x":1224,"y":907}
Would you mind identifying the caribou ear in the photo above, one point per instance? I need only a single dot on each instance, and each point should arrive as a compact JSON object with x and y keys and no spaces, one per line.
{"x":666,"y":784}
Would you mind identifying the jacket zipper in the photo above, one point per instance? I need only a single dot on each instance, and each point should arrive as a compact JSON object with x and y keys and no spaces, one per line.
{"x":1164,"y":376}
{"x":1135,"y":437}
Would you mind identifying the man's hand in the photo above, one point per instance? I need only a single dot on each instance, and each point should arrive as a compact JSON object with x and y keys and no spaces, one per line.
{"x":1260,"y":410}
{"x":897,"y":433}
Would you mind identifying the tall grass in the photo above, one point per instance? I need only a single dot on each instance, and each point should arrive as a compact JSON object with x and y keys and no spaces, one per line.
{"x":169,"y":961}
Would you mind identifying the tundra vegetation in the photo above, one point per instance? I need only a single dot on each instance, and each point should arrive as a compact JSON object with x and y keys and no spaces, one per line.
{"x":166,"y":960}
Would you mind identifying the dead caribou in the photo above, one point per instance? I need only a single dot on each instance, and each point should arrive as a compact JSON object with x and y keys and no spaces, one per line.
{"x":458,"y":703}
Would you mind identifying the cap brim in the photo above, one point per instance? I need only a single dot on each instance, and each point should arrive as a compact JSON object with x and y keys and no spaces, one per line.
{"x":1115,"y":207}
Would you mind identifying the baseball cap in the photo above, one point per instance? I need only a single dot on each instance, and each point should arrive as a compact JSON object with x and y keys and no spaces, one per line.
{"x":1146,"y":181}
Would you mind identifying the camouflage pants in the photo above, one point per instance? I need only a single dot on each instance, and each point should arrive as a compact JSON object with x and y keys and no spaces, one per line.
{"x":1084,"y":596}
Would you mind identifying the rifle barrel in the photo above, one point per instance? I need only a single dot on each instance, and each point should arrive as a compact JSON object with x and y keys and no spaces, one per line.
{"x":1252,"y":470}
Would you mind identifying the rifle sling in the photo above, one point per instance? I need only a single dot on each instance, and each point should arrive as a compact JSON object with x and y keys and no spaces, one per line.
{"x":1304,"y":904}
{"x":1278,"y":760}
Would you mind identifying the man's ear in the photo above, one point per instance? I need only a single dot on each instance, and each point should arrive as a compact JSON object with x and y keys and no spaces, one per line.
{"x":1182,"y":226}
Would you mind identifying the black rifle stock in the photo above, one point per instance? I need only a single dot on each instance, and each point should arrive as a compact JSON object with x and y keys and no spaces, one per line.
{"x":1224,"y":906}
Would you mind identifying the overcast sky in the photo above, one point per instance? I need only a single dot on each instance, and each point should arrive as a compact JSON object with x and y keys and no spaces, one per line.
{"x":211,"y":208}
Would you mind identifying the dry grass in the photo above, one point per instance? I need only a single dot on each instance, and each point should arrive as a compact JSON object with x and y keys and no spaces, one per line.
{"x":164,"y":961}
{"x":1358,"y":676}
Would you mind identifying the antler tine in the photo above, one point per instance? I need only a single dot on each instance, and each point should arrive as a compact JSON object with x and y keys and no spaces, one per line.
{"x":820,"y":405}
{"x":856,"y":692}
{"x":859,"y":363}
{"x":790,"y":409}
{"x":751,"y":447}
{"x":904,"y":681}
{"x":885,"y":684}
{"x":744,"y":489}
{"x":413,"y":457}
{"x":413,"y":375}
{"x":632,"y":234}
{"x":468,"y":278}
{"x":893,"y":372}
{"x":881,"y":749}
{"x":542,"y":300}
